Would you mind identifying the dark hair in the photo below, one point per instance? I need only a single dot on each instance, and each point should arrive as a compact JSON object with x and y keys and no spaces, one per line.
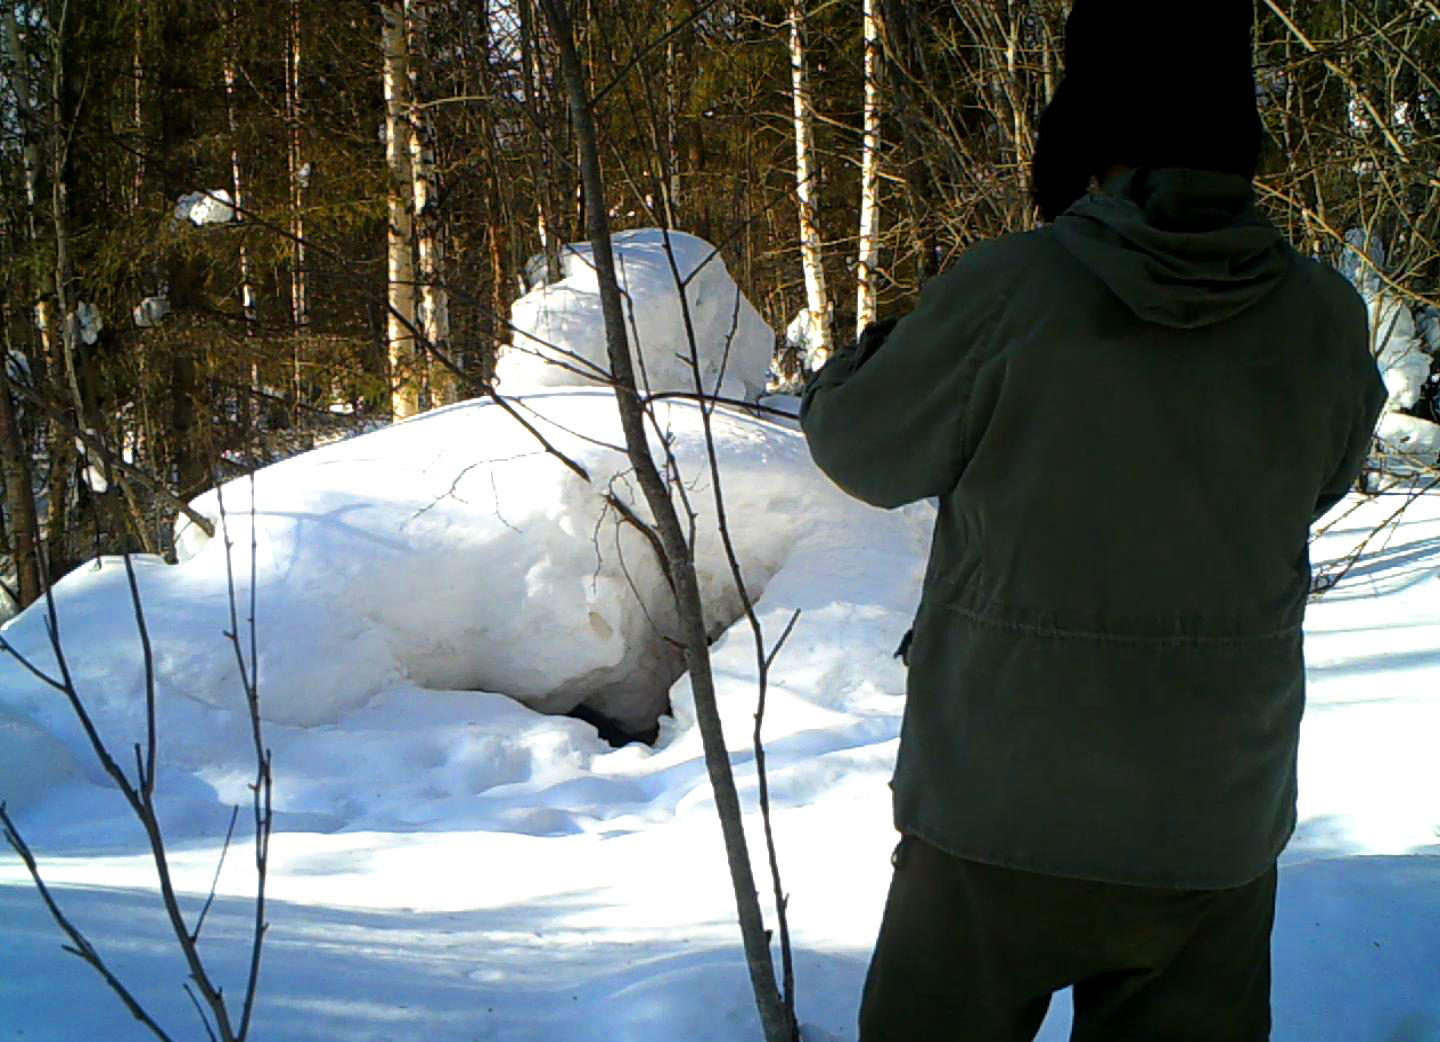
{"x":1133,"y":95}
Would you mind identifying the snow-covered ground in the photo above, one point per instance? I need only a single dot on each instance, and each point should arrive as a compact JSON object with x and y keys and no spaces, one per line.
{"x":455,"y":865}
{"x":451,"y":864}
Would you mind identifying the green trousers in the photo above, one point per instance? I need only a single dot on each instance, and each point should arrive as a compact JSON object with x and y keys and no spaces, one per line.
{"x":970,"y":952}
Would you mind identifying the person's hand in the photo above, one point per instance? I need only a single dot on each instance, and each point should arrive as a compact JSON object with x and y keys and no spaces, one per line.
{"x":872,"y":337}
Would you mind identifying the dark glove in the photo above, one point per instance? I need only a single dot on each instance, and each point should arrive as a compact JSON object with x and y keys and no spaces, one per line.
{"x":903,"y":651}
{"x":871,"y":339}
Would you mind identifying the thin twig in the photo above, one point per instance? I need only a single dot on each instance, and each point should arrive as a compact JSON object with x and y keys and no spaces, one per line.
{"x":199,"y":1011}
{"x":147,"y":774}
{"x":215,"y":883}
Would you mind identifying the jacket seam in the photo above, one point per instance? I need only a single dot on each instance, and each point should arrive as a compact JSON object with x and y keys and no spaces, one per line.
{"x":1034,"y":629}
{"x":1120,"y":876}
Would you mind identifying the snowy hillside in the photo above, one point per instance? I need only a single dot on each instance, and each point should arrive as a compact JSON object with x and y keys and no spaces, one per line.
{"x":454,"y":861}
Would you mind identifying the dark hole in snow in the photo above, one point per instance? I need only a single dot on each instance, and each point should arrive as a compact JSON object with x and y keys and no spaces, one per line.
{"x":665,"y":665}
{"x":612,"y":731}
{"x":625,"y":702}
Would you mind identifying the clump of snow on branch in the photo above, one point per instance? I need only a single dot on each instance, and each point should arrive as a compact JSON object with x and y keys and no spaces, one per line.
{"x":558,"y":336}
{"x":202,"y":208}
{"x":89,"y":321}
{"x":17,"y":366}
{"x":94,"y":472}
{"x":151,"y":311}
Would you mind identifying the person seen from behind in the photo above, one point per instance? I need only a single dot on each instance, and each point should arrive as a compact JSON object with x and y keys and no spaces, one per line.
{"x":1130,"y":417}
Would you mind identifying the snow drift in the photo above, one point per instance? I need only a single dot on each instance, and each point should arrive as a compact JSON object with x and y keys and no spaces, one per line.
{"x":452,"y":551}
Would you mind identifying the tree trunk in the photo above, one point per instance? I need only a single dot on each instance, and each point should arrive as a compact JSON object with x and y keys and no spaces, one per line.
{"x":530,"y":79}
{"x":32,"y":160}
{"x":405,"y":371}
{"x":498,"y":217}
{"x":776,"y":1020}
{"x":298,"y":175}
{"x":247,"y":288}
{"x":425,"y":182}
{"x":299,"y":305}
{"x":20,"y":498}
{"x":806,"y":188}
{"x":137,"y":76}
{"x":59,"y":216}
{"x":49,"y":359}
{"x":190,"y":469}
{"x":869,"y":174}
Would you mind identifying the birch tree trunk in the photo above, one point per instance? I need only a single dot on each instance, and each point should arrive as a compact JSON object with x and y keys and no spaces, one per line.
{"x":137,"y":75}
{"x":20,"y":500}
{"x":806,"y":171}
{"x":672,"y":120}
{"x":497,"y":213}
{"x":869,"y":174}
{"x":247,"y":288}
{"x":434,"y":301}
{"x":405,"y":372}
{"x":59,"y":214}
{"x":298,"y":172}
{"x":530,"y":79}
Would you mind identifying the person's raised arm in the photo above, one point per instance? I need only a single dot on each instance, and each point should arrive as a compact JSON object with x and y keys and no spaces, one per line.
{"x":885,"y":419}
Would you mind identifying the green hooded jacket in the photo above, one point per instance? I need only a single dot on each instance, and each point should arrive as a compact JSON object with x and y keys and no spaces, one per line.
{"x":1130,"y":418}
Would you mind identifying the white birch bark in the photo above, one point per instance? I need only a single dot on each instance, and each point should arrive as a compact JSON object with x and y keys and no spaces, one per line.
{"x":816,"y":296}
{"x":435,"y":303}
{"x":299,"y":304}
{"x":400,"y":266}
{"x":137,"y":72}
{"x":247,"y":288}
{"x":299,"y":296}
{"x":869,"y":174}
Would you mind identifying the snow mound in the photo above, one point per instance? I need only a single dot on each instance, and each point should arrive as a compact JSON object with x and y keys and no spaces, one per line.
{"x":559,"y":331}
{"x":1410,"y":435}
{"x":453,"y":552}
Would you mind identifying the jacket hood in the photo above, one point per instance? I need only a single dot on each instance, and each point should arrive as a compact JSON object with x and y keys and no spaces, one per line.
{"x":1181,"y":248}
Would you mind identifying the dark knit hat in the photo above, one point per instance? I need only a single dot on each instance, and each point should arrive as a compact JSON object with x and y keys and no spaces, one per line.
{"x":1149,"y":83}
